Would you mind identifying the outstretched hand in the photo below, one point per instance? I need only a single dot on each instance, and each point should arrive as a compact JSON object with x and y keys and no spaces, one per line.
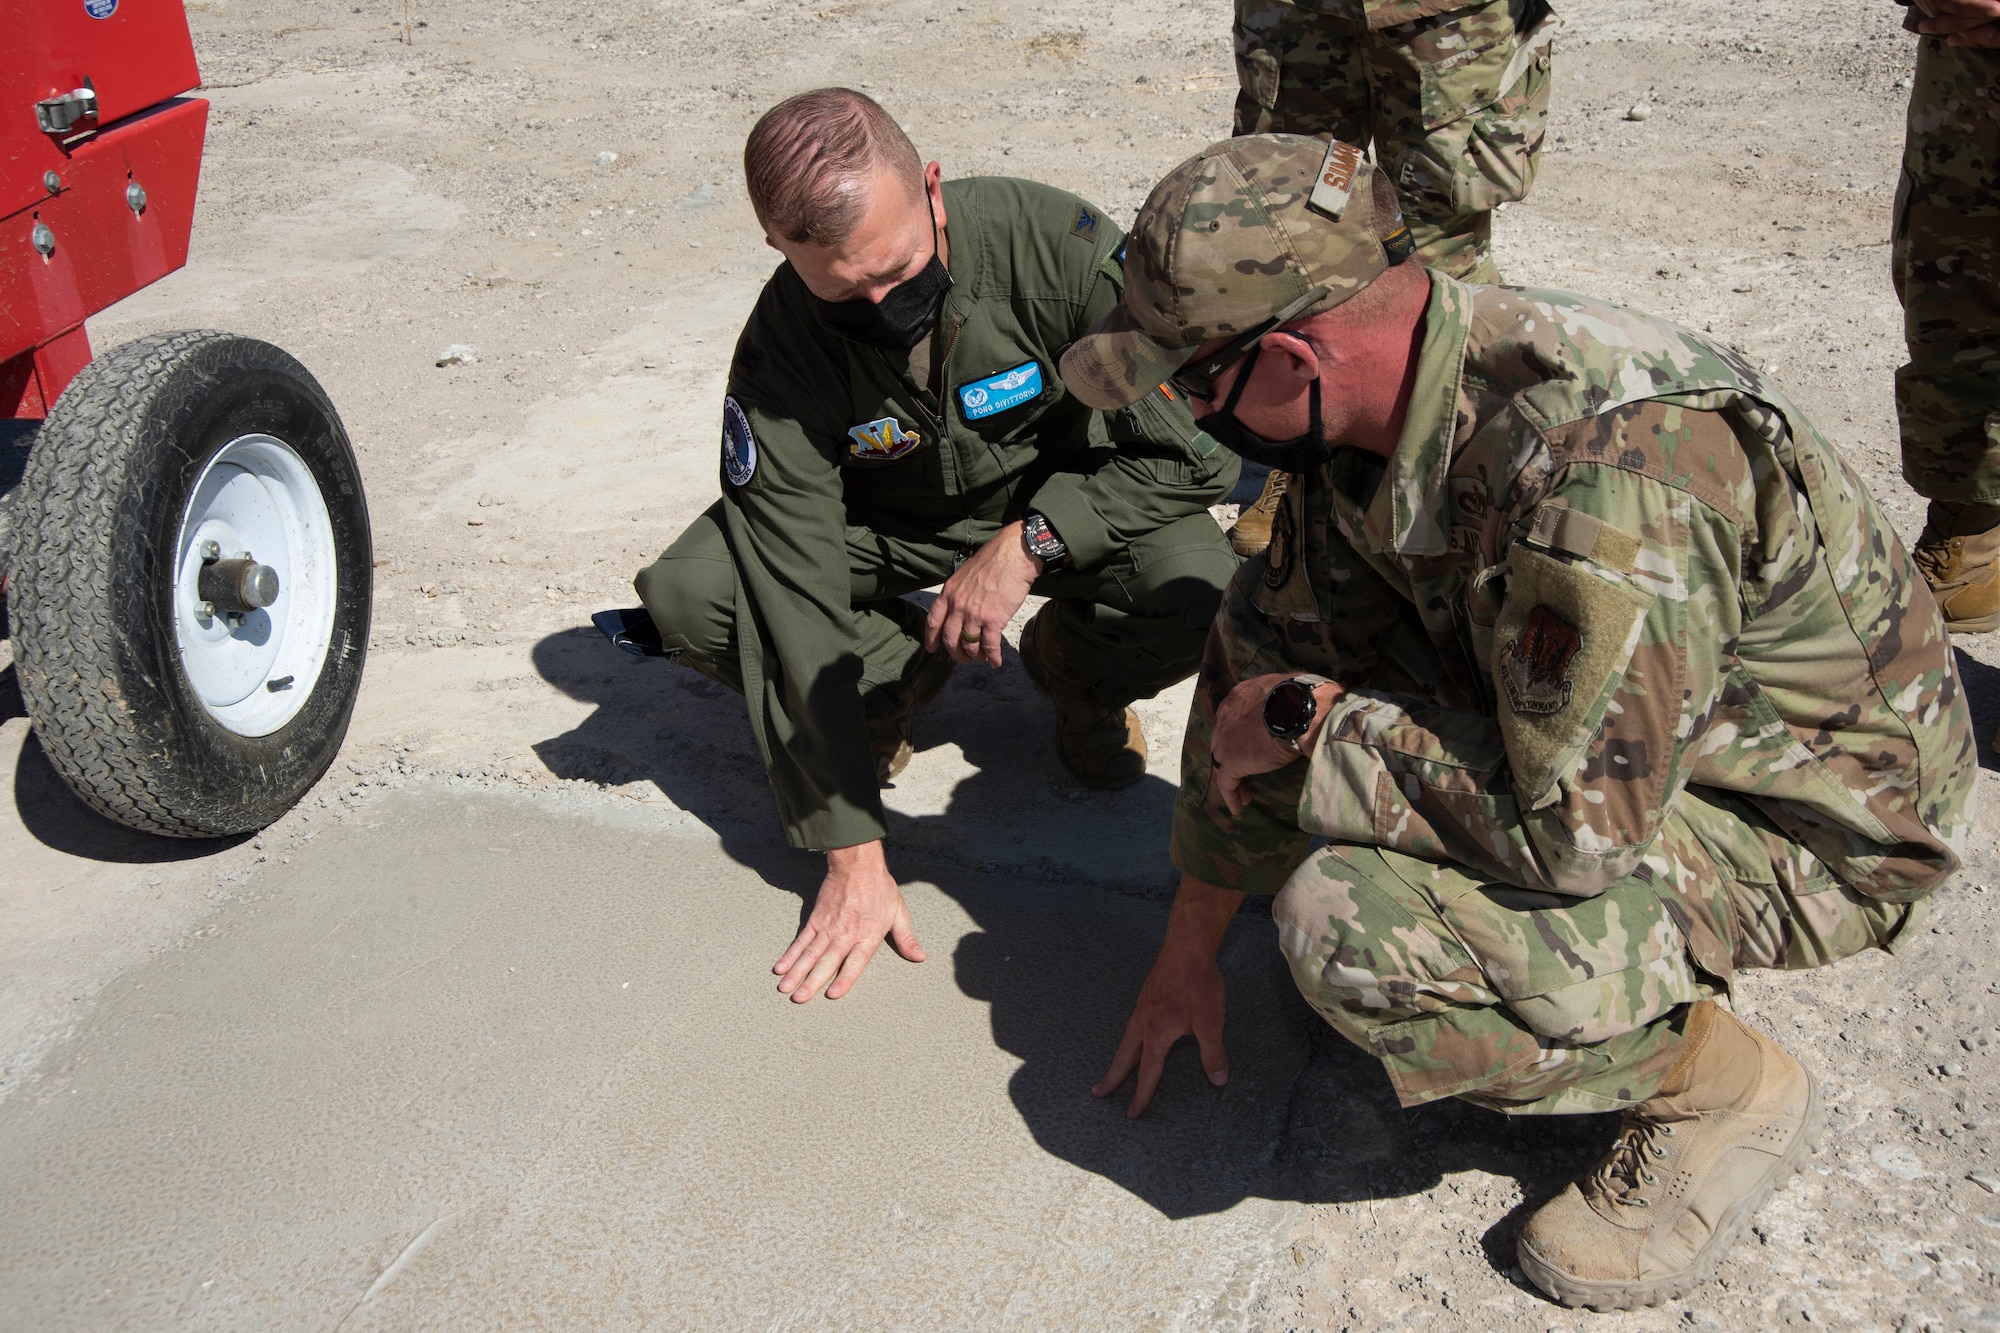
{"x":1184,"y":994}
{"x":858,"y":904}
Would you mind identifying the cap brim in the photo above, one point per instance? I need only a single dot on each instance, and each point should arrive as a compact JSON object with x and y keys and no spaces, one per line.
{"x":1115,"y":365}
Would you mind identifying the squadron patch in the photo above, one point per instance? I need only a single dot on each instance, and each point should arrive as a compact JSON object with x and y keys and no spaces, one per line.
{"x":880,"y":441}
{"x":1537,"y":662}
{"x":739,"y":444}
{"x":1086,"y":222}
{"x":997,"y":393}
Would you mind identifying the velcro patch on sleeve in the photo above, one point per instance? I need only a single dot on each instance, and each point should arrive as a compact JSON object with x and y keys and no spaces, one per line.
{"x":1560,"y":647}
{"x":1088,"y":220}
{"x":1557,"y":527}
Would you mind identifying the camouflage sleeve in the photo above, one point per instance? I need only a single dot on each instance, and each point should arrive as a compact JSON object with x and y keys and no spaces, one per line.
{"x":1607,"y":654}
{"x":1163,"y":468}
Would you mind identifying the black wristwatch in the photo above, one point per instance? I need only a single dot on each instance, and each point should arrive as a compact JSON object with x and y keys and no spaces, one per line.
{"x":1039,"y":539}
{"x":1290,"y":707}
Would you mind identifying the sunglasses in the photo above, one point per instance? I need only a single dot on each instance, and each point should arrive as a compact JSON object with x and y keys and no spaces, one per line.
{"x":1197,"y":379}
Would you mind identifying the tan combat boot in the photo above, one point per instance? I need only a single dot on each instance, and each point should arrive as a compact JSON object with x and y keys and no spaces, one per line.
{"x":892,"y":713}
{"x":1101,"y":747}
{"x":1733,"y":1120}
{"x":1959,"y":553}
{"x":1252,"y":532}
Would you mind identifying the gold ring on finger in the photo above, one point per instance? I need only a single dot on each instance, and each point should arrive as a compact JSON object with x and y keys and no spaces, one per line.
{"x":969,"y":638}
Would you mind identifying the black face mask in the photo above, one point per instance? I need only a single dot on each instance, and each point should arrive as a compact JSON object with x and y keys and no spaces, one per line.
{"x":901,"y":319}
{"x":1299,"y":455}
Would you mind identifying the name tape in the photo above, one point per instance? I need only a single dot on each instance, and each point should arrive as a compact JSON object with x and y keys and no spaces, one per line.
{"x":1336,"y":179}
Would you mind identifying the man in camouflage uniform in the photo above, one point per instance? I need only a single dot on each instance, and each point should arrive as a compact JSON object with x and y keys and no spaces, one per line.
{"x":1453,"y":96}
{"x":1947,"y":269}
{"x":1619,"y":682}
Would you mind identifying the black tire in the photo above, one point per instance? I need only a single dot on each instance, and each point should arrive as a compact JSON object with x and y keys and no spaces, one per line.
{"x":91,"y":583}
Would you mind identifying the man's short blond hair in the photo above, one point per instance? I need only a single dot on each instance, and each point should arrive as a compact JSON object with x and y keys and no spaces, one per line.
{"x":809,"y":158}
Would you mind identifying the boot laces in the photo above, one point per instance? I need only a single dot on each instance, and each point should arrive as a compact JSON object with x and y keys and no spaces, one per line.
{"x":1627,"y":1169}
{"x":1933,"y":558}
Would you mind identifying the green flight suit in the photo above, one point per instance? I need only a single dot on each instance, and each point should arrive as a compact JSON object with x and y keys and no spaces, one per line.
{"x":847,"y":484}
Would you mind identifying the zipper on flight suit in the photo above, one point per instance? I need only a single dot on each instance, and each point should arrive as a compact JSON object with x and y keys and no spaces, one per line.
{"x":945,"y":332}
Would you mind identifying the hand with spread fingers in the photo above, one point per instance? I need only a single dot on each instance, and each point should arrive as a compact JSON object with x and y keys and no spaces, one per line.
{"x":980,"y":597}
{"x":1183,"y":996}
{"x":858,"y":904}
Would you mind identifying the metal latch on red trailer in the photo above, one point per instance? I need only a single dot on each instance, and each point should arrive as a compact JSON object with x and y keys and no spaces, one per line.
{"x":73,"y":110}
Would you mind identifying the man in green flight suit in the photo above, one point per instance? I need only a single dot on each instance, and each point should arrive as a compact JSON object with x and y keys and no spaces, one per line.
{"x":895,"y":421}
{"x":1598,"y":671}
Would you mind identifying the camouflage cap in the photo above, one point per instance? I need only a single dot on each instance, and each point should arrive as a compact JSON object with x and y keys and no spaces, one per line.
{"x":1234,"y":234}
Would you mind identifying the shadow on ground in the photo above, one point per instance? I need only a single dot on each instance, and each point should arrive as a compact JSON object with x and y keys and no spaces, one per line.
{"x":1305,"y":1118}
{"x":1982,"y":696}
{"x":57,"y":818}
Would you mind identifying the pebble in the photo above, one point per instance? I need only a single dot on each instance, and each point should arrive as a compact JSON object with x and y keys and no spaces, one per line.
{"x":1639,"y":111}
{"x":1953,"y":1070}
{"x":476,"y":521}
{"x":486,"y":501}
{"x":458,"y":354}
{"x":1986,"y":1180}
{"x":1898,"y":1161}
{"x":605,"y":158}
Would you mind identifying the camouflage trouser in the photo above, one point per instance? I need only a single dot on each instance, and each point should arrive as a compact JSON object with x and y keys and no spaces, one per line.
{"x":1947,"y":271}
{"x":1455,"y":104}
{"x":1517,"y":1000}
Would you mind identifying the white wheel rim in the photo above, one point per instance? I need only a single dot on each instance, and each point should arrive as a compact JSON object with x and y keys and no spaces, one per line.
{"x":254,"y":672}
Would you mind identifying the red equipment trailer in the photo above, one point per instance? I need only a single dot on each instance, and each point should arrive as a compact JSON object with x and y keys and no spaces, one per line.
{"x":184,"y":541}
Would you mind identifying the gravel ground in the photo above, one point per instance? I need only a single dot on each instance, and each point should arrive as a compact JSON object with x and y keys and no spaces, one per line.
{"x":560,"y":187}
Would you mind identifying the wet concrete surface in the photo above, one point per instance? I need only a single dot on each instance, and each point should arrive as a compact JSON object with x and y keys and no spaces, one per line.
{"x":459,"y":1063}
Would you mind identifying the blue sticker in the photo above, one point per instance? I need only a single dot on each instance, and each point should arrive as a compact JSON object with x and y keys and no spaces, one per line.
{"x":880,"y":441}
{"x":739,"y":445}
{"x":997,"y":393}
{"x":100,"y":9}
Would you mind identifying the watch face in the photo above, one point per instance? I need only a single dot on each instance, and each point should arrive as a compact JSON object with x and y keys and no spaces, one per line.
{"x":1289,"y":708}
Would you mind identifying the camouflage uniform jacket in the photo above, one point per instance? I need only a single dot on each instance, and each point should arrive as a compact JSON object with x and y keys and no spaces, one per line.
{"x":1623,"y":599}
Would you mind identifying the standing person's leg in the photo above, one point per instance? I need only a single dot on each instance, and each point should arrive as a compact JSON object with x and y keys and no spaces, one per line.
{"x":693,"y":596}
{"x":1946,"y":260}
{"x":1461,"y":102}
{"x":1124,"y":631}
{"x":1299,"y":69}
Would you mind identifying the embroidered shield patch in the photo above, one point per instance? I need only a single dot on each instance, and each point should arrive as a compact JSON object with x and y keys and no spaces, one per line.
{"x":1537,"y":662}
{"x":880,"y":441}
{"x":739,"y":445}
